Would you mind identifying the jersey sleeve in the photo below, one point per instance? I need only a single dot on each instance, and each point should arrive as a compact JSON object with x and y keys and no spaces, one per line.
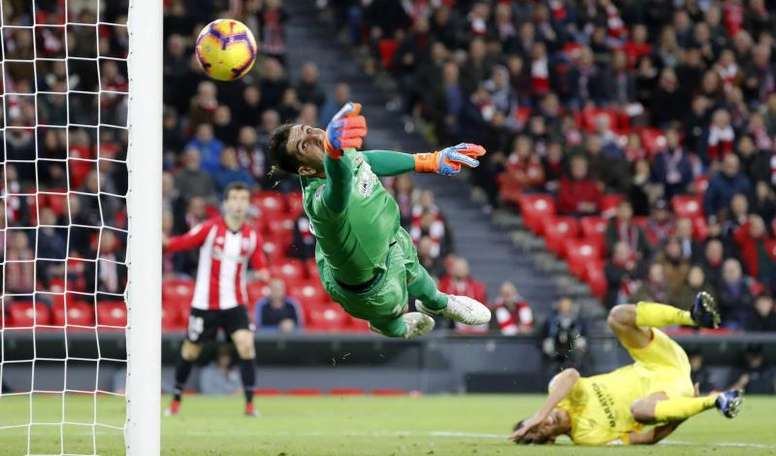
{"x":195,"y":237}
{"x":339,"y":182}
{"x":389,"y":163}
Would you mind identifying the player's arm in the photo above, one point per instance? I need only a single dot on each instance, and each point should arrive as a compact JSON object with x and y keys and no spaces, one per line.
{"x":448,"y":161}
{"x":654,"y":435}
{"x":346,"y":130}
{"x":560,"y":387}
{"x":195,"y":237}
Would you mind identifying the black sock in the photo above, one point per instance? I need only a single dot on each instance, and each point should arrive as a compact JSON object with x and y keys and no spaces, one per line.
{"x":248,"y":374}
{"x":182,"y":372}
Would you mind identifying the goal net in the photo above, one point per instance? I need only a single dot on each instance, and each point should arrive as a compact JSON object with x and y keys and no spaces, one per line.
{"x":80,"y":183}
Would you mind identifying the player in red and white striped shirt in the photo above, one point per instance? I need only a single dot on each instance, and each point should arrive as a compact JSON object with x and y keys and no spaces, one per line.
{"x":226,"y":245}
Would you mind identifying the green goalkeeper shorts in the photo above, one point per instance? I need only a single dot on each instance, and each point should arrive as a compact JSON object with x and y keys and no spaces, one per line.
{"x":387,"y":298}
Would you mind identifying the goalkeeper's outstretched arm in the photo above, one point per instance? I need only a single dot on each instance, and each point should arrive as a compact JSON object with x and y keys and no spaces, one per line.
{"x":448,"y":161}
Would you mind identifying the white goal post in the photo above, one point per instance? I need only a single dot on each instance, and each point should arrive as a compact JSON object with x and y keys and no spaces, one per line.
{"x":144,"y":203}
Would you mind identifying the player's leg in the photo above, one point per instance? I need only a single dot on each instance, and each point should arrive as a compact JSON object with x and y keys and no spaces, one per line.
{"x":660,"y":408}
{"x":407,"y":326}
{"x":188,"y":355}
{"x":201,"y":328}
{"x":237,"y":325}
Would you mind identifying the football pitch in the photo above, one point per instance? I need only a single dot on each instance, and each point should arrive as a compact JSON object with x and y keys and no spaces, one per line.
{"x":357,"y":426}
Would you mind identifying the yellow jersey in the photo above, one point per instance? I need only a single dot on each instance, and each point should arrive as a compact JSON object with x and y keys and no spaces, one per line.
{"x":599,"y":406}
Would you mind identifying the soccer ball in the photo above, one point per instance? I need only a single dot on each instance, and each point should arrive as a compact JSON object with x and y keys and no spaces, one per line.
{"x":226,"y":49}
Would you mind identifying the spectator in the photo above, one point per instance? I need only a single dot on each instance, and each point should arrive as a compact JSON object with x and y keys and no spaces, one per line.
{"x":278,"y":311}
{"x":675,"y":265}
{"x":20,"y":264}
{"x":220,"y":377}
{"x":524,"y":169}
{"x":563,"y":337}
{"x":654,"y":288}
{"x":458,"y":281}
{"x":622,"y":229}
{"x":660,"y":224}
{"x":330,"y":107}
{"x":621,"y":272}
{"x":713,"y":258}
{"x":272,"y":20}
{"x":725,"y":183}
{"x":191,"y":180}
{"x":273,"y":82}
{"x":734,"y":296}
{"x":695,"y":283}
{"x":765,"y":202}
{"x":579,"y":194}
{"x":699,"y":373}
{"x":513,"y":314}
{"x":209,"y":147}
{"x":404,"y":192}
{"x":308,"y":88}
{"x":754,"y":375}
{"x":640,"y":188}
{"x":303,"y":240}
{"x":672,"y":168}
{"x":429,"y":257}
{"x":762,"y":317}
{"x":691,"y":249}
{"x":751,"y":238}
{"x":231,"y":171}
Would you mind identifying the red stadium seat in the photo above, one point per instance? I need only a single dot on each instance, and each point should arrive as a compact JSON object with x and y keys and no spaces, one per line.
{"x":276,"y":247}
{"x":256,"y":291}
{"x":312,"y":269}
{"x":27,"y":314}
{"x":77,"y":313}
{"x":310,"y":294}
{"x":535,"y":209}
{"x":557,"y":230}
{"x":700,"y":184}
{"x":387,"y":47}
{"x":290,"y":270}
{"x":580,"y":252}
{"x":327,"y":318}
{"x":178,"y":292}
{"x":700,"y":229}
{"x":111,"y":313}
{"x":358,"y":325}
{"x":346,"y":392}
{"x":271,"y":204}
{"x":595,"y":277}
{"x":687,"y":206}
{"x":653,"y":140}
{"x":592,"y":226}
{"x":609,"y":204}
{"x":295,"y":204}
{"x":173,"y":318}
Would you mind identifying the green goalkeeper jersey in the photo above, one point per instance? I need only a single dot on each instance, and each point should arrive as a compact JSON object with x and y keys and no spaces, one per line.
{"x":354,"y":236}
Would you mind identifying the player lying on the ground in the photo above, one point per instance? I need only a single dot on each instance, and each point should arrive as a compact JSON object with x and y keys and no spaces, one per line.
{"x":226,"y":244}
{"x":367,"y":261}
{"x":655,"y":390}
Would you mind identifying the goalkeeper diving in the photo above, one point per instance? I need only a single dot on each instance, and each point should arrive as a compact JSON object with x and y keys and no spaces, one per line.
{"x":366,"y":260}
{"x":640,"y":403}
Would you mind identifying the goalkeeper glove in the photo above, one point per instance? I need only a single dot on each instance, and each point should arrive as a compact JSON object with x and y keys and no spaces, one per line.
{"x":346,"y":130}
{"x":449,"y":160}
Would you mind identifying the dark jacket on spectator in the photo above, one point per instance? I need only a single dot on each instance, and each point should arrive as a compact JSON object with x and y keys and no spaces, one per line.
{"x":668,"y":162}
{"x":721,"y":190}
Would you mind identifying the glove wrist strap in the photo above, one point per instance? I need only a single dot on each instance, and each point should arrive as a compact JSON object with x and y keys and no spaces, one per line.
{"x":427,"y":162}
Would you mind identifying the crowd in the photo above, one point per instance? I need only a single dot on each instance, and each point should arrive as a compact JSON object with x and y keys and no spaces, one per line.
{"x":647,"y":101}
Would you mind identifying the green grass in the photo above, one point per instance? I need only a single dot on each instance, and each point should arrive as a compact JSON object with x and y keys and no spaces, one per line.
{"x":343,"y":426}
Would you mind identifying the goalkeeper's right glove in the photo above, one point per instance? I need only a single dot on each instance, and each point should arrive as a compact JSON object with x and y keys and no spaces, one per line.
{"x":346,"y":130}
{"x":449,"y":160}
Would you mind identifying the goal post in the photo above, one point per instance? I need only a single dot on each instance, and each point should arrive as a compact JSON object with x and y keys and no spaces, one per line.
{"x":144,"y":204}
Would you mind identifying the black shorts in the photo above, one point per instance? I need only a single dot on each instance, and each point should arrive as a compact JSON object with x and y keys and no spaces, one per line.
{"x":204,"y":324}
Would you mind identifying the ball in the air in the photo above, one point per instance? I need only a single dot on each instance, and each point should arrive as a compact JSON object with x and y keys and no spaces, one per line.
{"x":226,"y":49}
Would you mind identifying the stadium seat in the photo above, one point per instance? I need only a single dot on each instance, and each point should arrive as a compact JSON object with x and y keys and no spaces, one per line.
{"x":271,"y":204}
{"x":295,"y":204}
{"x":309,"y":294}
{"x":178,"y":292}
{"x":77,"y":313}
{"x":594,"y":229}
{"x":653,"y":140}
{"x":256,"y":291}
{"x":580,"y":252}
{"x":700,"y":184}
{"x":557,"y":230}
{"x":27,"y":314}
{"x":687,"y":206}
{"x":290,"y":270}
{"x":111,"y":313}
{"x":595,"y":277}
{"x":346,"y":392}
{"x":312,"y":269}
{"x":358,"y":325}
{"x":173,"y":318}
{"x":387,"y":47}
{"x":700,"y":229}
{"x":609,"y":204}
{"x":535,"y":208}
{"x":326,"y":318}
{"x":275,"y":247}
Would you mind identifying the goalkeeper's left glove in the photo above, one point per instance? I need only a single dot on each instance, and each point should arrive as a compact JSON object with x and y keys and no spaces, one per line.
{"x":449,"y":160}
{"x":346,"y":130}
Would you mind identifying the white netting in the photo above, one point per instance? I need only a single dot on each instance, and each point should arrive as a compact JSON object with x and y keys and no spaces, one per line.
{"x":63,"y":226}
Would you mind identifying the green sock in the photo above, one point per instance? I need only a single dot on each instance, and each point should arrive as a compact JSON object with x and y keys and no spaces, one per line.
{"x":390,"y":328}
{"x":425,"y":289}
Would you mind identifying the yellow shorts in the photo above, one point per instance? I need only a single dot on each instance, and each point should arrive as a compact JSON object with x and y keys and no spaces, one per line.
{"x":666,"y":365}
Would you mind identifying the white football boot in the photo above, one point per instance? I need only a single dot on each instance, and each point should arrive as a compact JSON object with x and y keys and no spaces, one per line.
{"x":418,"y":324}
{"x":462,"y":309}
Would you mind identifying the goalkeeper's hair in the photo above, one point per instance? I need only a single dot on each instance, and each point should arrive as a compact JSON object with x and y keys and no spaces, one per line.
{"x":278,"y":151}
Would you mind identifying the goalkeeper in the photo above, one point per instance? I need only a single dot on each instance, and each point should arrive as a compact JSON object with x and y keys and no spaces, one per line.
{"x":367,"y":262}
